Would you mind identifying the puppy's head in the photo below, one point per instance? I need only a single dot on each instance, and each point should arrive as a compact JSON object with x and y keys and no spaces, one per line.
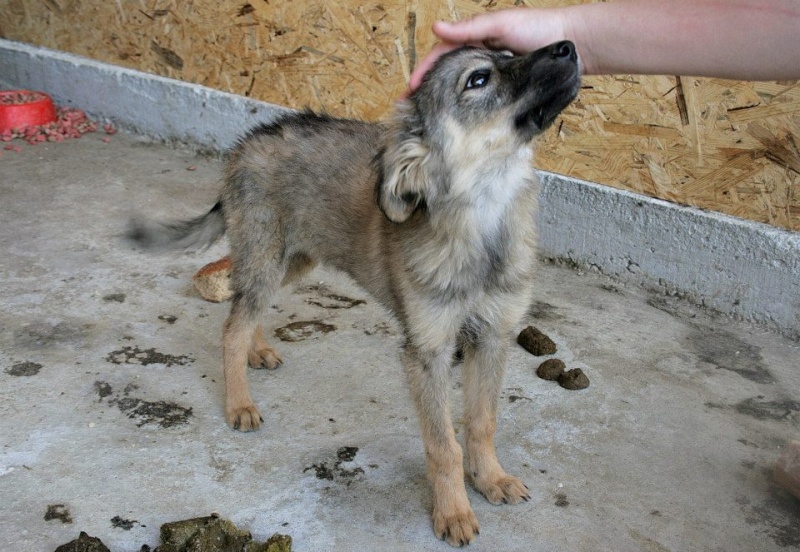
{"x":473,"y":102}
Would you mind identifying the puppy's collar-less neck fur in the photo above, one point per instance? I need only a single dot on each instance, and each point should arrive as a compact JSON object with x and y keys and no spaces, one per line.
{"x":487,"y":168}
{"x":419,"y":172}
{"x":466,"y":206}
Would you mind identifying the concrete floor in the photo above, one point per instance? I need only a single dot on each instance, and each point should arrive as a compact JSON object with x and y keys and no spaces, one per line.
{"x":110,"y":395}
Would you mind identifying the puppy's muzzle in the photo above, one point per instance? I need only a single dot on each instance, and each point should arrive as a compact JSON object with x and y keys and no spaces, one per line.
{"x":564,"y":50}
{"x":547,"y":81}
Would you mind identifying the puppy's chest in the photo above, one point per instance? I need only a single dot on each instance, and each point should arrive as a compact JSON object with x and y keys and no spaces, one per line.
{"x":478,"y":243}
{"x":490,"y":200}
{"x":476,"y":254}
{"x":489,"y":185}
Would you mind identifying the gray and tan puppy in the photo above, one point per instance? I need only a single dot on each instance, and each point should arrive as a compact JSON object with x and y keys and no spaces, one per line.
{"x":431,"y":213}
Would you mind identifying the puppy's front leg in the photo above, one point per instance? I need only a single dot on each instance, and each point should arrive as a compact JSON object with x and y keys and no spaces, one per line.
{"x":428,"y":374}
{"x":484,"y":366}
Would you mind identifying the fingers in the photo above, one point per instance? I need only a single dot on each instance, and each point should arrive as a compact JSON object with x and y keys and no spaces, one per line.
{"x":482,"y":30}
{"x":475,"y":30}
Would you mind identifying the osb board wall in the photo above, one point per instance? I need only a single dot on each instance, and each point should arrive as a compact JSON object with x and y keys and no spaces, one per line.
{"x":720,"y":145}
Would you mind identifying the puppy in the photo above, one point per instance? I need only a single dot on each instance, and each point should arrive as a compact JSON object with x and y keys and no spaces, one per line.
{"x":431,"y":213}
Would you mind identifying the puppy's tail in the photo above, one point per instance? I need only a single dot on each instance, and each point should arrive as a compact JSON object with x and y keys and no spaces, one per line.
{"x":196,"y":233}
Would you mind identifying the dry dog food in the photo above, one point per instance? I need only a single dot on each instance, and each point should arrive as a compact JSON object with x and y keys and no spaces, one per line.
{"x":70,"y":123}
{"x":19,"y":98}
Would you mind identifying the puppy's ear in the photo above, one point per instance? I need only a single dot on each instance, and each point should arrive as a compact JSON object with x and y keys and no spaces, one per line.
{"x":403,"y":180}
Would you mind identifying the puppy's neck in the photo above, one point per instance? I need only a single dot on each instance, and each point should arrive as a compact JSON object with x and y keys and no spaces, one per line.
{"x":488,"y":168}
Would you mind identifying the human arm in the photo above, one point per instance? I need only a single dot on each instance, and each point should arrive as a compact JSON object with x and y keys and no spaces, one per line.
{"x":738,"y":39}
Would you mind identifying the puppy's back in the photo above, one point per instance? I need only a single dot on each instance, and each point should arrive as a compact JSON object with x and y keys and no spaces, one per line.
{"x":315,"y":176}
{"x":304,"y":159}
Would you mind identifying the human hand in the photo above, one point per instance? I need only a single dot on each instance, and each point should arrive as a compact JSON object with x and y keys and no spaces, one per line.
{"x":519,"y":30}
{"x":646,"y":37}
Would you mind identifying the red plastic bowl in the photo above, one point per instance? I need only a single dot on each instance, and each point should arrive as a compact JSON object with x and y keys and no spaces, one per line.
{"x":23,"y":108}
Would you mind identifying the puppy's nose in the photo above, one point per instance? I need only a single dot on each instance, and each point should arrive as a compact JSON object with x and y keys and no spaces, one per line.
{"x":563,"y":49}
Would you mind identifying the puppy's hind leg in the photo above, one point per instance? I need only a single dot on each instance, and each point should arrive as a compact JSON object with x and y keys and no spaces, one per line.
{"x":257,"y":271}
{"x":262,"y":354}
{"x":484,"y":365}
{"x":237,"y":339}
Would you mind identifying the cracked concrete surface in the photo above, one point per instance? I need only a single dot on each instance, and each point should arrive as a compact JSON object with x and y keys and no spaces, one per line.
{"x":111,"y":395}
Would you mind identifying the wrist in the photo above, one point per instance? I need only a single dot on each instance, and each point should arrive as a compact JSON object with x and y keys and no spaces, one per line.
{"x":576,"y":28}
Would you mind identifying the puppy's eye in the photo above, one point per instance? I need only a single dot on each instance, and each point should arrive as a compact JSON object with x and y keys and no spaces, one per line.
{"x":478,"y":79}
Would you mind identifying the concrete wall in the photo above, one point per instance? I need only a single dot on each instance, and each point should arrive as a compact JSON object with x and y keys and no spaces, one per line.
{"x":740,"y":268}
{"x":149,"y":104}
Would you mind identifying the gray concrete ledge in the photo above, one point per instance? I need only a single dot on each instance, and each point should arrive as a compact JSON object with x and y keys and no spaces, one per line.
{"x":164,"y":108}
{"x":739,"y":268}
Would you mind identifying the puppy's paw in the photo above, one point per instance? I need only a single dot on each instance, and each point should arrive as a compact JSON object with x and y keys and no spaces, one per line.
{"x":502,"y":489}
{"x":264,"y":357}
{"x":457,"y":527}
{"x":245,"y":418}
